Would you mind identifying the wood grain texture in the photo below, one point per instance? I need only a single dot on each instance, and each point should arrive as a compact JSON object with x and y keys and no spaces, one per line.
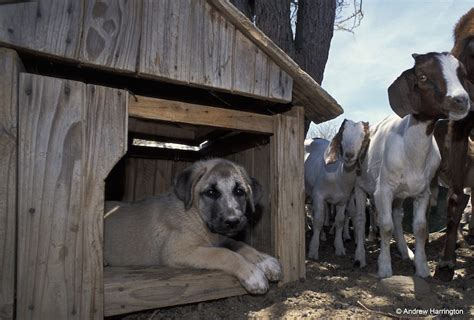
{"x":111,"y":34}
{"x":106,"y":117}
{"x":70,"y":136}
{"x":150,"y":177}
{"x":10,"y":67}
{"x":153,"y":128}
{"x":49,"y":27}
{"x":134,"y":289}
{"x":280,"y":83}
{"x":319,"y":105}
{"x":288,"y":194}
{"x":181,"y":112}
{"x":166,"y":39}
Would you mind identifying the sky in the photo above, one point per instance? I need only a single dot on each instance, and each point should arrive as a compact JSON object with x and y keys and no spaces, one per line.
{"x":362,"y":65}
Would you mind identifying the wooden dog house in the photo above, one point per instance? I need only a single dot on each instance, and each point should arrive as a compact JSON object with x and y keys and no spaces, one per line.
{"x":79,"y":81}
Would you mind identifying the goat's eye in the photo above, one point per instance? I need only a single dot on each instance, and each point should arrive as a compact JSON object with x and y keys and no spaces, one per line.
{"x":238,"y":191}
{"x":422,"y":78}
{"x":212,"y":193}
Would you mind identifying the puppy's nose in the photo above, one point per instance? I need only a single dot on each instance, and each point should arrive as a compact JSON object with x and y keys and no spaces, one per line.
{"x":232,"y":222}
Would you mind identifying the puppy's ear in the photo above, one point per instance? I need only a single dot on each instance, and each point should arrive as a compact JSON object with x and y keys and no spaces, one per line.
{"x":402,"y":94}
{"x":256,"y":190}
{"x":335,"y":148}
{"x":185,"y":182}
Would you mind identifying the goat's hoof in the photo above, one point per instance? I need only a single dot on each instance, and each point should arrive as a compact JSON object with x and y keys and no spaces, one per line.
{"x":357,"y":264}
{"x":341,"y":252}
{"x":313,"y":256}
{"x":424,"y":272}
{"x":385,"y":272}
{"x":444,"y":273}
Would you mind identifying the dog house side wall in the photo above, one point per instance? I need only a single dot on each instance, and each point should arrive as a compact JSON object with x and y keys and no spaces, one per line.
{"x":70,"y":135}
{"x":10,"y":67}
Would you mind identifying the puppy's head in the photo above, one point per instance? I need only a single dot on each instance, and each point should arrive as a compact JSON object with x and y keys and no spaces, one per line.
{"x":222,"y":192}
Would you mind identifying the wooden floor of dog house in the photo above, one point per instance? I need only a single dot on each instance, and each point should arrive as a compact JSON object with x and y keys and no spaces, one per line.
{"x":130,"y":289}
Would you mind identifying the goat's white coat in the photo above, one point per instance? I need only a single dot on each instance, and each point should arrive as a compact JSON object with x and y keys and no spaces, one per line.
{"x":401,"y":161}
{"x":332,"y":183}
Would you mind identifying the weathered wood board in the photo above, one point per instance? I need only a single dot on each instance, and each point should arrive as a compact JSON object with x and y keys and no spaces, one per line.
{"x":287,"y":176}
{"x":182,"y":112}
{"x":10,"y":68}
{"x":70,"y":136}
{"x":111,"y":34}
{"x":183,"y":41}
{"x":134,"y":289}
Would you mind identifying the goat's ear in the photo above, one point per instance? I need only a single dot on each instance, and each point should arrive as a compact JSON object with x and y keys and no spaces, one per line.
{"x":185,"y":183}
{"x":334,"y":150}
{"x":402,"y":94}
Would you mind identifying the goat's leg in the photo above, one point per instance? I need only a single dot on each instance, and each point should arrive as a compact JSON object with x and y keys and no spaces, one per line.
{"x":445,"y":269}
{"x":397,"y":215}
{"x":383,"y":203}
{"x":339,"y":224}
{"x":359,"y":226}
{"x":318,"y":221}
{"x":373,"y":223}
{"x":346,"y":235}
{"x":420,"y":228}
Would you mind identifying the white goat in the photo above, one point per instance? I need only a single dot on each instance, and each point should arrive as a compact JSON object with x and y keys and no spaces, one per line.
{"x":403,"y":156}
{"x":330,"y":174}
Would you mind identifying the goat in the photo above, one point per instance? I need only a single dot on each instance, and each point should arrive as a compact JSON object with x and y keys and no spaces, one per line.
{"x":403,"y":157}
{"x":453,"y":138}
{"x":330,"y":173}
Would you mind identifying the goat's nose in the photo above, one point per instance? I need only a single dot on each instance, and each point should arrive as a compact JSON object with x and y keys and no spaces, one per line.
{"x":460,"y":100}
{"x":232,"y":222}
{"x":349,"y":155}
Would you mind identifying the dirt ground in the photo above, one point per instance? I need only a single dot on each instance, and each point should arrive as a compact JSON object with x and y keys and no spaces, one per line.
{"x":333,"y":288}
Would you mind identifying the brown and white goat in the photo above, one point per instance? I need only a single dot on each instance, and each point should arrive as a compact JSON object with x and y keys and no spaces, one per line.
{"x":403,"y":157}
{"x":453,"y":140}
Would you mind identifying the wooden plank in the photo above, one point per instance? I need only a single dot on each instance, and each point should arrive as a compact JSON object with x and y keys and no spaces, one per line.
{"x":219,"y":37}
{"x":288,"y":194}
{"x":262,"y":77}
{"x":50,"y":167}
{"x":182,"y":112}
{"x":244,"y":64}
{"x":280,"y":83}
{"x":70,"y":136}
{"x":10,"y":67}
{"x":166,"y":39}
{"x":49,"y":27}
{"x":153,"y":128}
{"x":198,"y":45}
{"x":106,"y":116}
{"x":111,"y":34}
{"x":134,"y":289}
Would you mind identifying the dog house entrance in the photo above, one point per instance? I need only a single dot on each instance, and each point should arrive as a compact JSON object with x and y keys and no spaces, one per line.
{"x":164,"y":137}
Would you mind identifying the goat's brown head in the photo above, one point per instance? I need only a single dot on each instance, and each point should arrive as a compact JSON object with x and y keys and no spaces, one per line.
{"x":434,"y":88}
{"x":350,"y":143}
{"x":464,"y":42}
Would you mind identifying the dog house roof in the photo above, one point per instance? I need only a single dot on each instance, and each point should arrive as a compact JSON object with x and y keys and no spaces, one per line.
{"x":200,"y":43}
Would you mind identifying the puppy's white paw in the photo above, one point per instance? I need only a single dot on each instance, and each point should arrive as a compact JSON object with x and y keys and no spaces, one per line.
{"x":271,"y":267}
{"x":255,"y":281}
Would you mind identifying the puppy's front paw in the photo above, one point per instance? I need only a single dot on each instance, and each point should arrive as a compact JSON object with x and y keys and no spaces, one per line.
{"x":255,"y":281}
{"x":271,"y":267}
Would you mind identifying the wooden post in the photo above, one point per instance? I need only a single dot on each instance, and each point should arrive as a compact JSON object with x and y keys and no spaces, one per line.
{"x":10,"y":67}
{"x":70,"y":137}
{"x":288,"y":193}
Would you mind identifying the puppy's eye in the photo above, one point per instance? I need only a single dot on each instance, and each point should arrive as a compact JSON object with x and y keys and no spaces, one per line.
{"x":212,"y":193}
{"x":238,"y":191}
{"x":422,"y":78}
